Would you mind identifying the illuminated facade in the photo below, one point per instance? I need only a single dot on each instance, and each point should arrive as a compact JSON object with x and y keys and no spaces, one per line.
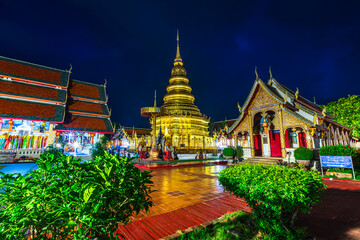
{"x":274,"y":121}
{"x":180,"y":119}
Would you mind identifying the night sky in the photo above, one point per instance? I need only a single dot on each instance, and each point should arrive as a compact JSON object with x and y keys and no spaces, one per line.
{"x":312,"y":45}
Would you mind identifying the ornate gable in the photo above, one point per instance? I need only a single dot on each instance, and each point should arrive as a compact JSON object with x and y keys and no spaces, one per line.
{"x":260,"y":99}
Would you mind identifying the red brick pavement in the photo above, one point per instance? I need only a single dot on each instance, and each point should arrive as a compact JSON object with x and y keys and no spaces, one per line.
{"x":336,"y":217}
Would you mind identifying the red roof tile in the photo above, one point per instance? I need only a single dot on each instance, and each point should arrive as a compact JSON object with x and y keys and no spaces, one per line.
{"x":88,"y":124}
{"x":28,"y":110}
{"x":84,"y":90}
{"x":129,"y":131}
{"x":23,"y":70}
{"x":85,"y":106}
{"x":28,"y":90}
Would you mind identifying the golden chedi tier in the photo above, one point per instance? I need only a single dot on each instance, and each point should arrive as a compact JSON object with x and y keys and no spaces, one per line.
{"x":180,"y":119}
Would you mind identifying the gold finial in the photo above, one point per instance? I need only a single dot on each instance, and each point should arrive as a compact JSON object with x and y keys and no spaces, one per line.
{"x":256,"y":74}
{"x":178,"y":58}
{"x":271,"y":76}
{"x":110,"y":112}
{"x":238,"y":105}
{"x":105,"y":83}
{"x":314,"y":100}
{"x":297,"y":93}
{"x":155,"y":100}
{"x":69,"y":71}
{"x":324,"y":112}
{"x":285,"y":97}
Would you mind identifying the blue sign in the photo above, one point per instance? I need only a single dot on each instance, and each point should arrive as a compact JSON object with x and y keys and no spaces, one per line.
{"x":336,"y":161}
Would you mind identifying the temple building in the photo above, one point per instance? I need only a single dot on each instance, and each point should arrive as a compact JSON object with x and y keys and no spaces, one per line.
{"x":129,"y":138}
{"x":38,"y":104}
{"x":274,"y":121}
{"x":179,"y":119}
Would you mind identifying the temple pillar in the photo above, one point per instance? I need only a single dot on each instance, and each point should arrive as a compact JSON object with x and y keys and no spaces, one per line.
{"x":252,"y":146}
{"x":282,"y":133}
{"x":154,"y":132}
{"x":235,"y":139}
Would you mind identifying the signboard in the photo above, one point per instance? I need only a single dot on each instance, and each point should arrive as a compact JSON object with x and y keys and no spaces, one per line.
{"x":336,"y":162}
{"x":276,"y":131}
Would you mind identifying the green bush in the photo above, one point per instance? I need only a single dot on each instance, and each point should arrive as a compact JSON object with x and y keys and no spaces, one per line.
{"x":239,"y":152}
{"x":341,"y":150}
{"x":228,"y":152}
{"x":67,"y":198}
{"x":303,"y":153}
{"x":338,"y":150}
{"x":239,"y":221}
{"x":275,"y":194}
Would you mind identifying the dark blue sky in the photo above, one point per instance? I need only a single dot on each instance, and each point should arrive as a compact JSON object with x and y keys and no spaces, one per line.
{"x":312,"y":45}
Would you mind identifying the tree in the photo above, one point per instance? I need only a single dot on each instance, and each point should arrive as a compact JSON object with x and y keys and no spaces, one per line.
{"x":346,"y":111}
{"x":68,"y":198}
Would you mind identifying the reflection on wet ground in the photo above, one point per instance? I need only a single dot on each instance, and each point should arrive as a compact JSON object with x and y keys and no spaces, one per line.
{"x":184,"y":186}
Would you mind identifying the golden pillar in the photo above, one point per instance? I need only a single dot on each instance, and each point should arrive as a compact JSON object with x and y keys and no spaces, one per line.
{"x":282,"y":134}
{"x":308,"y":137}
{"x":251,"y":135}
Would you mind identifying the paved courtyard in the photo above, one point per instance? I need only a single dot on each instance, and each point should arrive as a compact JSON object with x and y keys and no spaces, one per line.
{"x":193,"y":193}
{"x":184,"y":186}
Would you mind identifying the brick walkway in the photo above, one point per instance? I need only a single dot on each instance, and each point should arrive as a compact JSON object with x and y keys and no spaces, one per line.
{"x":191,"y":196}
{"x":166,"y":224}
{"x":338,"y":216}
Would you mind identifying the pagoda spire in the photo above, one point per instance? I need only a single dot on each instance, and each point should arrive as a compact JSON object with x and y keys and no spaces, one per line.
{"x":155,"y":100}
{"x":178,"y":58}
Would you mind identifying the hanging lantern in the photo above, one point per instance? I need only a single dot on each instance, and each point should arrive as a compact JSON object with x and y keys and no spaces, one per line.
{"x":11,"y":123}
{"x":92,"y":137}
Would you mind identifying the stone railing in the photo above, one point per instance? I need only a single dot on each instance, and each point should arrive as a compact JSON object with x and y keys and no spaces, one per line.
{"x":17,"y":153}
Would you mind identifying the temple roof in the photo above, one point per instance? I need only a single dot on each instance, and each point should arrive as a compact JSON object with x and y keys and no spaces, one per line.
{"x":32,"y":92}
{"x":86,"y":109}
{"x":139,"y":131}
{"x":79,"y":123}
{"x":228,"y":122}
{"x":33,"y":73}
{"x":35,"y":111}
{"x":87,"y":91}
{"x":299,"y":107}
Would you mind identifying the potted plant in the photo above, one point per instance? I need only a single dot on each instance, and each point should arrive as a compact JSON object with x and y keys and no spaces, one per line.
{"x":303,"y":156}
{"x":228,"y":153}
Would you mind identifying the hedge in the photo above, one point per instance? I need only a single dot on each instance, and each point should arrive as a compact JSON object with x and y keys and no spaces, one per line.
{"x":275,"y":194}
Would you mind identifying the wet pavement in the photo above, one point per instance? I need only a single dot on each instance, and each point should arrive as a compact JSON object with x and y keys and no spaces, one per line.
{"x":184,"y":186}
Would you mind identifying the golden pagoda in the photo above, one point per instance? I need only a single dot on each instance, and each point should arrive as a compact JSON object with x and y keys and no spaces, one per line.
{"x":180,"y":119}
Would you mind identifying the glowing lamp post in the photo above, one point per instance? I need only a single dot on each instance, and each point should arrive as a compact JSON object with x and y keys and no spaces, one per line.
{"x":152,"y":113}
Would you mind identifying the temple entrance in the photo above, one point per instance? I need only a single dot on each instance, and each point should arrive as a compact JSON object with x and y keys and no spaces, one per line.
{"x":257,"y":145}
{"x":275,"y":143}
{"x":257,"y":134}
